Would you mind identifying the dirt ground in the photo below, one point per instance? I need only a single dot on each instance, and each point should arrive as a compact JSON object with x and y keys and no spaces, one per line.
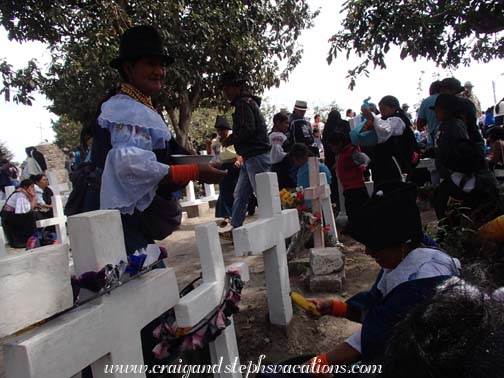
{"x":256,"y":336}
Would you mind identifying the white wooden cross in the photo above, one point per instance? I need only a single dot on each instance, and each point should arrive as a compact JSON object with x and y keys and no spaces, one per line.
{"x":327,"y":209}
{"x":59,"y":220}
{"x":104,"y":331}
{"x":190,"y":194}
{"x":34,"y":286}
{"x":430,"y":165}
{"x":342,"y":218}
{"x":3,"y":251}
{"x":315,"y":193}
{"x":210,"y":194}
{"x":267,"y":236}
{"x":196,"y":305}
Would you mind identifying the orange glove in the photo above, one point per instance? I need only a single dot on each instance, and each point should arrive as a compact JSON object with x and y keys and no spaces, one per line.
{"x":339,"y":309}
{"x":318,"y":362}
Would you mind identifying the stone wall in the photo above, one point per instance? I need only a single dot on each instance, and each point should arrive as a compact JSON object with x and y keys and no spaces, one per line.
{"x":55,"y":159}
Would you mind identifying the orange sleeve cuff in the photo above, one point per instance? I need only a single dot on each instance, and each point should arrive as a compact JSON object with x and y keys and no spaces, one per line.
{"x":182,"y":174}
{"x":322,"y":360}
{"x":339,"y":309}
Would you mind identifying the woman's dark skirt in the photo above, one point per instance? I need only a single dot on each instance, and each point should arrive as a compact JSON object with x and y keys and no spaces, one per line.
{"x":224,"y":206}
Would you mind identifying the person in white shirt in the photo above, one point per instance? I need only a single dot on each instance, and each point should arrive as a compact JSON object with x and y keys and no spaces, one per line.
{"x":18,"y":218}
{"x":277,"y":137}
{"x":281,"y":164}
{"x":318,"y":124}
{"x":43,"y":197}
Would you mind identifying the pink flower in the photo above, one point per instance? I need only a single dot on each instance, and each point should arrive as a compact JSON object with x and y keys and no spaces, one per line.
{"x":193,"y":342}
{"x":234,"y":297}
{"x":220,"y":320}
{"x":157,"y":331}
{"x":234,"y":272}
{"x":161,"y":351}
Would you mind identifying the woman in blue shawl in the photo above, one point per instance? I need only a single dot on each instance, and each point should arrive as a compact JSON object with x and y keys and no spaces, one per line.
{"x":389,"y":225}
{"x":129,"y":131}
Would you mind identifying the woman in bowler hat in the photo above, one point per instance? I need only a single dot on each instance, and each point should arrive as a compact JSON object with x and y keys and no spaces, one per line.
{"x":132,"y":174}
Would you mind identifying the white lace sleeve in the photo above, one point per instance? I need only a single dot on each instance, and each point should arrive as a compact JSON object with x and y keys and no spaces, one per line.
{"x":385,"y":128}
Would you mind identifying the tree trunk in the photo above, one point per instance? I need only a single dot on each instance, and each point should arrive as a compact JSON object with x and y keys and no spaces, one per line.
{"x":181,"y":124}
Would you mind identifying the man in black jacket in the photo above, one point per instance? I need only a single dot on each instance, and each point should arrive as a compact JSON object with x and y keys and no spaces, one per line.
{"x":250,"y":139}
{"x":465,"y":109}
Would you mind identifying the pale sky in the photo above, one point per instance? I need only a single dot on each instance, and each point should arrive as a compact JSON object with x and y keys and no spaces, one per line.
{"x":313,"y":81}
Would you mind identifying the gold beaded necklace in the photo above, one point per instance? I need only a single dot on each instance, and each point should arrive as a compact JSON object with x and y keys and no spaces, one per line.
{"x":134,"y":93}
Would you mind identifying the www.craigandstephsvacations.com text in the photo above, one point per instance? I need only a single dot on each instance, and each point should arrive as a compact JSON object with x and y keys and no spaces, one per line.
{"x":251,"y":367}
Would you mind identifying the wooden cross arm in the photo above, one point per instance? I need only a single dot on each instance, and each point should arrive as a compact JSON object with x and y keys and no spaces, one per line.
{"x":263,"y":234}
{"x":35,"y":286}
{"x":255,"y":237}
{"x":428,"y":163}
{"x":290,"y":222}
{"x":193,"y":307}
{"x":29,"y":354}
{"x":88,"y":333}
{"x":50,"y":222}
{"x":318,"y":192}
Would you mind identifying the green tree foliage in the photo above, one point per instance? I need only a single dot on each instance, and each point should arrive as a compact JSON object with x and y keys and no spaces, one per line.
{"x":324,"y":110}
{"x":207,"y":37}
{"x":5,"y":153}
{"x":449,"y":33}
{"x":203,"y":125}
{"x":24,"y":81}
{"x":67,"y":132}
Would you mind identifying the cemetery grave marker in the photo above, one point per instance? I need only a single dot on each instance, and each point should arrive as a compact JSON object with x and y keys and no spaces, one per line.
{"x":194,"y":306}
{"x":59,"y":220}
{"x":267,"y":236}
{"x":104,"y":331}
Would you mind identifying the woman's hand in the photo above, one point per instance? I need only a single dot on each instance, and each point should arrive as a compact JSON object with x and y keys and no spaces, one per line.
{"x":237,"y":163}
{"x":209,"y":174}
{"x":324,"y":306}
{"x":366,"y":112}
{"x":226,"y":142}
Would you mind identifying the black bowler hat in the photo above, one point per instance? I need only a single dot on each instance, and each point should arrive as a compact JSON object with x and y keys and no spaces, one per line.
{"x":446,"y":102}
{"x":222,"y":123}
{"x":390,"y":218}
{"x":140,"y":41}
{"x":232,"y":78}
{"x":452,"y":84}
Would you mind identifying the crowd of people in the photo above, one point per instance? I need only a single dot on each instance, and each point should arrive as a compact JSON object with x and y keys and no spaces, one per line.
{"x":31,"y":200}
{"x":126,"y":164}
{"x":385,"y":143}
